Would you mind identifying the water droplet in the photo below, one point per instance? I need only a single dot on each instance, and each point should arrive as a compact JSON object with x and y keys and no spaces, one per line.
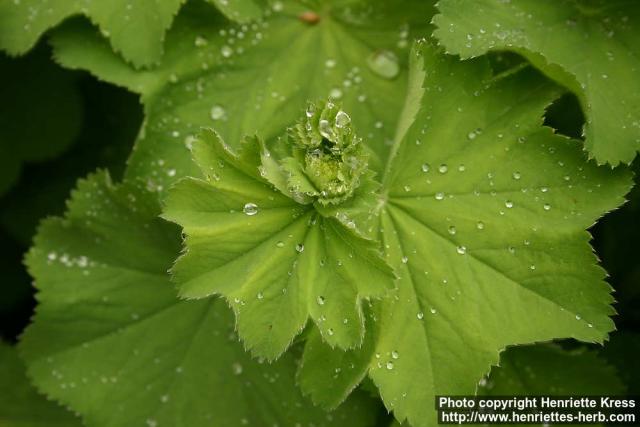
{"x":342,"y":119}
{"x":425,"y":167}
{"x":461,"y":250}
{"x":335,"y":93}
{"x":217,"y":113}
{"x":578,"y":317}
{"x":384,"y":63}
{"x":452,"y":230}
{"x":395,"y":354}
{"x":325,"y":129}
{"x":516,"y":175}
{"x":405,"y":259}
{"x":311,"y":110}
{"x":226,"y":51}
{"x":250,"y":209}
{"x":320,"y":300}
{"x":236,"y":368}
{"x":299,"y":248}
{"x":330,"y":63}
{"x":420,"y":315}
{"x":280,"y":244}
{"x":480,"y":225}
{"x":508,"y":204}
{"x":389,"y":365}
{"x":260,"y":295}
{"x":546,"y":206}
{"x":439,"y":195}
{"x":443,"y":168}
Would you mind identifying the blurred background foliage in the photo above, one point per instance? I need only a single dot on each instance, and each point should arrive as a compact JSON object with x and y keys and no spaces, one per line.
{"x":58,"y":125}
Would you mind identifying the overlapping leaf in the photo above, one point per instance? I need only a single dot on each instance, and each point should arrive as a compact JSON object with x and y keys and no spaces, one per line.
{"x":484,"y":222}
{"x":277,"y":262}
{"x":21,"y":405}
{"x":258,"y":79}
{"x":111,"y":340}
{"x":589,"y":46}
{"x":543,"y":370}
{"x":135,"y":28}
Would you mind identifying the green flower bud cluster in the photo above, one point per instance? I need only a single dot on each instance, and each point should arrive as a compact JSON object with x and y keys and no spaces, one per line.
{"x":328,"y":153}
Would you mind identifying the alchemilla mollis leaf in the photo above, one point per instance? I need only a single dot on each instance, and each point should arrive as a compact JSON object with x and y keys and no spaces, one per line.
{"x":136,"y":29}
{"x":21,"y":405}
{"x":547,"y":369}
{"x":111,"y":340}
{"x":277,"y":261}
{"x":258,"y":77}
{"x":484,"y":222}
{"x":591,"y":47}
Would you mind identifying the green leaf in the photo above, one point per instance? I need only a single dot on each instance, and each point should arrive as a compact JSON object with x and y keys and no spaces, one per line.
{"x":547,"y":369}
{"x":328,"y":375}
{"x":276,"y":261}
{"x":591,"y":47}
{"x":543,"y":370}
{"x":484,"y":223}
{"x":261,"y":82}
{"x":20,"y":405}
{"x":41,"y":113}
{"x":136,"y":29}
{"x":111,"y":340}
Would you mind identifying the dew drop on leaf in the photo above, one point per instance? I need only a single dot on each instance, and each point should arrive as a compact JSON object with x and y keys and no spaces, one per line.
{"x":384,"y":63}
{"x":342,"y":119}
{"x":299,"y":248}
{"x":236,"y":368}
{"x":217,"y":113}
{"x":250,"y":209}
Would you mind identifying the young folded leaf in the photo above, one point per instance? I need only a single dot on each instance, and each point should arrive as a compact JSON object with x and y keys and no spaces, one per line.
{"x":111,"y":341}
{"x":484,"y":221}
{"x":278,"y":262}
{"x":591,"y":47}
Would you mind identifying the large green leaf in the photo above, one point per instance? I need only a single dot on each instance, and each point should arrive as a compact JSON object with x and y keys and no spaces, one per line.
{"x":590,"y":46}
{"x":136,"y":29}
{"x":276,"y":261}
{"x":258,"y":79}
{"x":543,"y":370}
{"x":41,"y":113}
{"x":484,"y":222}
{"x":111,"y":340}
{"x":21,"y":405}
